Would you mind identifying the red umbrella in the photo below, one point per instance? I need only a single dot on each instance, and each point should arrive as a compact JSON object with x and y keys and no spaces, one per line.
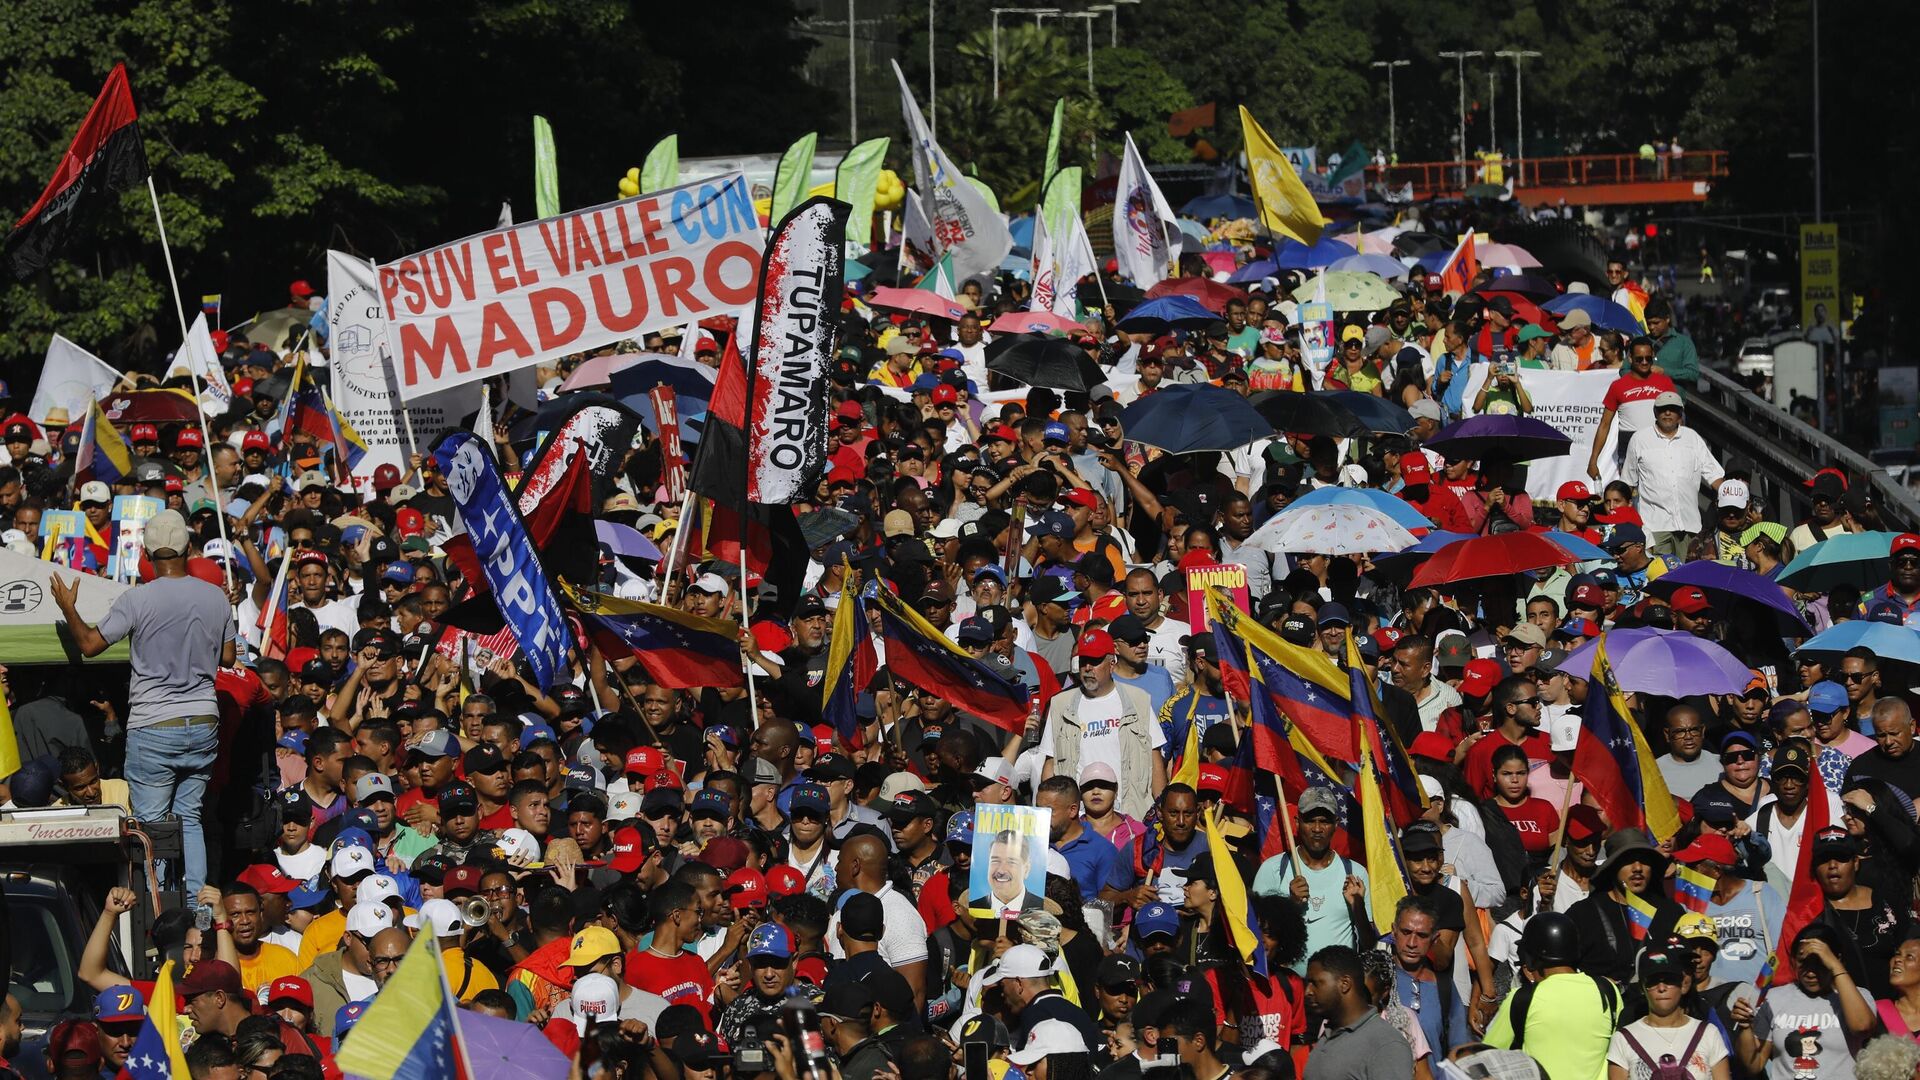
{"x":150,"y":407}
{"x":1490,"y":556}
{"x":1524,"y":308}
{"x":1212,"y":295}
{"x":918,"y":301}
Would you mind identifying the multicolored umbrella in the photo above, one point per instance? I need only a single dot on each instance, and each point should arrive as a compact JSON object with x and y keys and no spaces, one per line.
{"x":1665,"y":663}
{"x":1387,"y":503}
{"x":1211,"y":294}
{"x":1332,"y":529}
{"x":1349,"y":290}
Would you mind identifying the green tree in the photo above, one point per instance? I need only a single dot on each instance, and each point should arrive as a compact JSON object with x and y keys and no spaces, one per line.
{"x":1139,"y":94}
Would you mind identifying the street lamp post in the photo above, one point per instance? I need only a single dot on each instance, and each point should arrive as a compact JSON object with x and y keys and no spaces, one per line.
{"x":1113,"y":27}
{"x":1393,"y":148}
{"x":1460,"y":58}
{"x":933,"y":99}
{"x":1088,"y":17}
{"x":1037,"y":13}
{"x":1519,"y":107}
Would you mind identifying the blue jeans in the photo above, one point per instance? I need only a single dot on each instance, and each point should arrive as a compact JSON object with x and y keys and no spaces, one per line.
{"x":166,"y":773}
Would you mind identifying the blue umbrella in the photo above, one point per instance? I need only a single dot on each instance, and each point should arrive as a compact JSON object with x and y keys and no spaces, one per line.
{"x":1857,"y":559}
{"x":1393,"y":506}
{"x":1432,"y":261}
{"x":1399,"y":564}
{"x":1606,"y":314}
{"x":1730,"y":584}
{"x":1194,"y":231}
{"x":1583,"y":550}
{"x":1021,"y":229}
{"x":1207,"y":207}
{"x":1158,"y":314}
{"x":1888,"y":642}
{"x":1379,"y":414}
{"x":1294,"y":255}
{"x":1384,"y":265}
{"x":1254,"y":271}
{"x":1187,"y":417}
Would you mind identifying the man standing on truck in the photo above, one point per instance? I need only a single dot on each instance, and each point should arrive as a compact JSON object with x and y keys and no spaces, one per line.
{"x":182,"y":633}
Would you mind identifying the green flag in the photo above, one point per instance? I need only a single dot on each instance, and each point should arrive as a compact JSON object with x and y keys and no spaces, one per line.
{"x":546,"y":171}
{"x":792,"y":179}
{"x":993,"y":201}
{"x":854,"y":183}
{"x":1053,"y":144}
{"x":1060,"y":203}
{"x":661,"y":170}
{"x":939,"y":279}
{"x":1352,"y":160}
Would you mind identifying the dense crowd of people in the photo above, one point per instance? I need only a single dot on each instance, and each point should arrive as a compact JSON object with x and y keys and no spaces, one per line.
{"x":673,"y":879}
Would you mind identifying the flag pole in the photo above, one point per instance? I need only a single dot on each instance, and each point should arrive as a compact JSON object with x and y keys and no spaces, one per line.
{"x":206,"y":437}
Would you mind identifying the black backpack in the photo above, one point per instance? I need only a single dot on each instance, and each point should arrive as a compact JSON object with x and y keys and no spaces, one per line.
{"x":1509,"y":855}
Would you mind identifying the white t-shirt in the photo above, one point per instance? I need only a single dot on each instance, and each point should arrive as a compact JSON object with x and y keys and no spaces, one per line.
{"x":903,"y":939}
{"x":335,"y":615}
{"x":359,"y":987}
{"x":303,"y":866}
{"x":1100,"y":733}
{"x":1166,"y":646}
{"x":1665,"y":1042}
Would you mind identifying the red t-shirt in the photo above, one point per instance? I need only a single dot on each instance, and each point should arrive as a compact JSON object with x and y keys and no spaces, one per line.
{"x":499,"y":819}
{"x":1627,"y":389}
{"x":1535,"y":820}
{"x":682,"y":979}
{"x":1478,"y":767}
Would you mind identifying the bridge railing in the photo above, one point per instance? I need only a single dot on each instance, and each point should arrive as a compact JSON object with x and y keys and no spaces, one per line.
{"x":1431,"y":178}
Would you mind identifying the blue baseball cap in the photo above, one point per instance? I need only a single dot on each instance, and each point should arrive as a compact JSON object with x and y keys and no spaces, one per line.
{"x":1156,"y":918}
{"x":770,"y":939}
{"x":1604,"y":577}
{"x":347,"y":1016}
{"x":399,"y":573}
{"x":360,"y":819}
{"x":991,"y":570}
{"x":1827,"y":696}
{"x":960,"y":828}
{"x":295,"y":741}
{"x":1054,"y":523}
{"x":711,"y":802}
{"x":534,"y":733}
{"x":583,"y":778}
{"x":806,"y":734}
{"x":117,"y":1004}
{"x":309,"y":894}
{"x":925,"y":384}
{"x":352,"y":836}
{"x":1057,"y":432}
{"x":808,"y":797}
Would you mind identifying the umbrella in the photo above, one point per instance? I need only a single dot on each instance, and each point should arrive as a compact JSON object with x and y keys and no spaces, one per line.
{"x":1339,"y":414}
{"x":1254,"y":271}
{"x":1372,"y":241}
{"x":1033,"y":322}
{"x":1207,"y":207}
{"x":1349,"y":290}
{"x":1532,"y":286}
{"x":1330,"y":529}
{"x":1383,"y":266}
{"x":1606,"y":314}
{"x":1725,"y":585}
{"x":1094,"y":296}
{"x":1418,"y":243}
{"x":1219,"y":260}
{"x":690,"y":380}
{"x":1504,"y":255}
{"x":1294,"y":255}
{"x":818,"y":528}
{"x":271,"y":328}
{"x":1858,"y":559}
{"x":1186,"y":417}
{"x":1211,"y":294}
{"x":1581,"y":549}
{"x":1523,"y":308}
{"x":1665,"y":663}
{"x":1381,"y":417}
{"x":1167,"y":311}
{"x":501,"y":1049}
{"x":1508,"y":437}
{"x":1399,"y":564}
{"x":919,"y":301}
{"x":1491,"y":556}
{"x":595,"y":371}
{"x":150,"y":407}
{"x":625,"y":540}
{"x":1039,"y":361}
{"x":1888,"y":642}
{"x":1400,"y":510}
{"x":1194,"y":231}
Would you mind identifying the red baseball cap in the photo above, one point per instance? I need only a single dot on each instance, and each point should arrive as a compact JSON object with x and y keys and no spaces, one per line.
{"x":1416,"y":469}
{"x":745,"y":888}
{"x":291,"y":988}
{"x":462,"y":879}
{"x":1574,"y":491}
{"x":1689,"y":600}
{"x":256,"y":440}
{"x":268,"y":879}
{"x":850,"y":410}
{"x":300,"y":289}
{"x":242,"y":387}
{"x":1584,"y":821}
{"x":663,"y":778}
{"x":1904,"y":542}
{"x":945,"y":395}
{"x":644,"y":761}
{"x":189,"y":438}
{"x":1708,"y":847}
{"x":173,"y":484}
{"x":823,"y":734}
{"x":1212,"y":778}
{"x":1387,"y":637}
{"x":144,"y":433}
{"x":1079,"y":497}
{"x":1431,"y":744}
{"x":628,"y":851}
{"x":409,"y":522}
{"x":785,"y":881}
{"x":386,"y":477}
{"x":1095,"y":645}
{"x":999,"y":431}
{"x":1480,"y":676}
{"x":1587,"y":595}
{"x":729,"y":855}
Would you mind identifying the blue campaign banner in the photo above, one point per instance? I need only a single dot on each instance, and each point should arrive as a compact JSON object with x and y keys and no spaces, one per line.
{"x":512,"y":566}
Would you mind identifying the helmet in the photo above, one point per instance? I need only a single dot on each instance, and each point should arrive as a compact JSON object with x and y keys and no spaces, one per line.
{"x":1696,"y":929}
{"x":1550,"y":940}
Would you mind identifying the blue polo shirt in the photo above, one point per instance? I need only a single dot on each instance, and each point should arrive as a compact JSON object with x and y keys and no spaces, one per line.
{"x":1095,"y":863}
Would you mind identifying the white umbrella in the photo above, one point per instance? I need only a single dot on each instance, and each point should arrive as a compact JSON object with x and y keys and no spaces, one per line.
{"x":1331,"y":529}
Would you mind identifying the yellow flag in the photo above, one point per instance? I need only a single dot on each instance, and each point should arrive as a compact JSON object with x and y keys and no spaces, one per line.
{"x":1233,"y":890}
{"x":1189,"y":771}
{"x":9,"y":743}
{"x":165,"y":1017}
{"x":1385,"y":881}
{"x":1286,"y":207}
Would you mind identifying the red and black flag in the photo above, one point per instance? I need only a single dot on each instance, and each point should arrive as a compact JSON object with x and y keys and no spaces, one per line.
{"x":106,"y":155}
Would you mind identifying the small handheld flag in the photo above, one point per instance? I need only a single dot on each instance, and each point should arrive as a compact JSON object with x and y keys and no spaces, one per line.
{"x":1692,"y":889}
{"x":1639,"y":917}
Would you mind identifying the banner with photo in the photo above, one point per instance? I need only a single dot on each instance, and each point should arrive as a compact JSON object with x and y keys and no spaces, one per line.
{"x":1009,"y":873}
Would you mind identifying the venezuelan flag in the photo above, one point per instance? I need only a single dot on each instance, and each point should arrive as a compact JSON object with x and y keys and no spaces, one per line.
{"x":1186,"y":769}
{"x":104,"y":454}
{"x":412,"y":1029}
{"x":348,"y":446}
{"x":1386,"y":871}
{"x":851,"y":663}
{"x":1614,"y":762}
{"x":680,"y":650}
{"x":1692,"y":889}
{"x":1307,"y":686}
{"x":1382,"y":746}
{"x":1241,"y":926}
{"x":156,"y":1053}
{"x":925,"y":658}
{"x":1639,"y":917}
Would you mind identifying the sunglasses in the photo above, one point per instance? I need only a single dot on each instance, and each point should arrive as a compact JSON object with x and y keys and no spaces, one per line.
{"x":1734,"y":756}
{"x":1856,"y":676}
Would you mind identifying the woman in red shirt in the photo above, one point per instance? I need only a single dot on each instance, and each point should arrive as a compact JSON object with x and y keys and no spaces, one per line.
{"x":1535,"y":819}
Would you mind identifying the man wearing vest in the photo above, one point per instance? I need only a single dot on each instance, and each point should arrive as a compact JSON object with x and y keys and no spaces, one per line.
{"x":1101,"y":720}
{"x":1332,"y":886}
{"x":1564,"y":1016}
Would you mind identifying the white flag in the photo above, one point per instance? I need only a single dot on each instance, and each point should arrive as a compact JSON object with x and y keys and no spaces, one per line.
{"x":1141,"y":219}
{"x":1044,"y":267}
{"x":1073,"y":259}
{"x":198,"y":356}
{"x":506,"y":216}
{"x":965,"y":225}
{"x":71,"y":378}
{"x":916,"y":236}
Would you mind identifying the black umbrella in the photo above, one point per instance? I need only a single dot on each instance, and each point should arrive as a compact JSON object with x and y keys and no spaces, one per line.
{"x":1122,"y":297}
{"x":1420,"y":243}
{"x":1039,"y":361}
{"x":1532,"y":286}
{"x":1309,"y":414}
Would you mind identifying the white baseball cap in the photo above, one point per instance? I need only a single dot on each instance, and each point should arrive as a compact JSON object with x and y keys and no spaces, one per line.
{"x":93,"y":491}
{"x":1049,"y":1037}
{"x":597,"y":997}
{"x":349,"y":861}
{"x":1734,"y":493}
{"x":378,"y":889}
{"x":440,"y":914}
{"x":1563,"y":731}
{"x":995,"y":770}
{"x":710,"y":583}
{"x":519,"y":844}
{"x":1020,"y":962}
{"x":624,"y":807}
{"x":1057,"y":865}
{"x":367,"y":919}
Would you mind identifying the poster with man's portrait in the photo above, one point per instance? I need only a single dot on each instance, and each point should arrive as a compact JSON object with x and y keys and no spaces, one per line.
{"x":1009,"y":873}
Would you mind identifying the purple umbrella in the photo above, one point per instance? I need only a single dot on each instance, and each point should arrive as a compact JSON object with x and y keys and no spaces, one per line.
{"x":1725,"y":583}
{"x":1507,"y":436}
{"x":509,"y":1049}
{"x":1666,"y":663}
{"x":625,"y":540}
